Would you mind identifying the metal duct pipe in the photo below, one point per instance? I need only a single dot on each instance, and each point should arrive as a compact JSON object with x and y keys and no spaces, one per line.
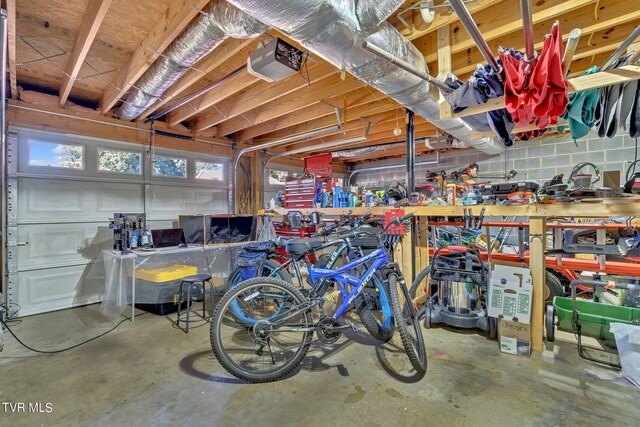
{"x":381,"y":168}
{"x":373,"y":13}
{"x":332,"y":30}
{"x":217,"y":22}
{"x":266,"y":145}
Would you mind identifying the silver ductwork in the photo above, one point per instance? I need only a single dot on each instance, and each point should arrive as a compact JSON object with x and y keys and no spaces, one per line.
{"x":336,"y":29}
{"x":217,"y":22}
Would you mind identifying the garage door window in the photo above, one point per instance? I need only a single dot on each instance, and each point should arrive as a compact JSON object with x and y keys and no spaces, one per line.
{"x":209,"y":171}
{"x":119,"y":161}
{"x":54,"y":155}
{"x":170,"y":166}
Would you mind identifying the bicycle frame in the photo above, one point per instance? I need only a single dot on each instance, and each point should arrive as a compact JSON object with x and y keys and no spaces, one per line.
{"x":340,"y":275}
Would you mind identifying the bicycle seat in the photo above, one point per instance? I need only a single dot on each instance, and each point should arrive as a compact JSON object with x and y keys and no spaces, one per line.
{"x":302,"y":246}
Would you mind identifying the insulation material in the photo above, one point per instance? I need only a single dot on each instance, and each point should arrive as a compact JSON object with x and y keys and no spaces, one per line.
{"x":218,"y":21}
{"x":333,"y":30}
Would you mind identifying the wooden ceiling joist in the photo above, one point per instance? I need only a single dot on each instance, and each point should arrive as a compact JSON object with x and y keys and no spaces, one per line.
{"x":290,"y":104}
{"x":11,"y":47}
{"x":359,"y":102}
{"x":228,"y":50}
{"x":171,"y":24}
{"x":259,"y":95}
{"x":93,"y":17}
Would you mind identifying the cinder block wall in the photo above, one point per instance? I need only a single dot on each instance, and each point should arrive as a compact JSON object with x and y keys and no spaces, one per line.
{"x":534,"y":160}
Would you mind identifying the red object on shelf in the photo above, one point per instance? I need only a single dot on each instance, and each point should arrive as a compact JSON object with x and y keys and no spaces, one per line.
{"x":396,"y":229}
{"x":300,"y":193}
{"x":320,"y":166}
{"x":286,"y":231}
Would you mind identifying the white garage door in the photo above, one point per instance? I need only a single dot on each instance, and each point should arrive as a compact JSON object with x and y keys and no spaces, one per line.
{"x":62,"y":190}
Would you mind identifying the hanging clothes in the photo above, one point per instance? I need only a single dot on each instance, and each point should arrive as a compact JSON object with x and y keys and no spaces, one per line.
{"x":481,"y":86}
{"x":540,"y":96}
{"x":580,"y":113}
{"x":610,"y":105}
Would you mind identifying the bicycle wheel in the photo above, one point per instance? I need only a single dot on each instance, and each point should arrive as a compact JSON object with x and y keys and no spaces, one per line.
{"x":404,"y":314}
{"x":235,"y":278}
{"x":374,"y":309}
{"x":261,"y":351}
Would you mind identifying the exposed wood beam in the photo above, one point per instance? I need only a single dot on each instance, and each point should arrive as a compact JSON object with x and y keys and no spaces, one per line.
{"x":366,"y":102}
{"x":260,"y":95}
{"x":169,"y":26}
{"x":225,"y":90}
{"x":593,"y":35}
{"x":93,"y":17}
{"x":228,"y":50}
{"x":288,"y":105}
{"x":11,"y":47}
{"x":444,"y":16}
{"x":56,"y":119}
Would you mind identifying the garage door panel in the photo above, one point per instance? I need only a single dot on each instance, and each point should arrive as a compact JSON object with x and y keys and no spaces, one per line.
{"x":115,"y":199}
{"x":52,"y":289}
{"x":50,"y":244}
{"x":53,"y":200}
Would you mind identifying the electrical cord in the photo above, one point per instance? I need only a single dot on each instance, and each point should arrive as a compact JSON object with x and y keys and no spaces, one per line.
{"x":68,"y":348}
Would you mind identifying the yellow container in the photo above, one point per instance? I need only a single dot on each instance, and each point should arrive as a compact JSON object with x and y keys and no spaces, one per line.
{"x":166,"y":273}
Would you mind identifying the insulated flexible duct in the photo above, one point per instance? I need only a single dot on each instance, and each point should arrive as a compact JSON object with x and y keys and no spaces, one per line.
{"x":336,"y":29}
{"x":217,"y":22}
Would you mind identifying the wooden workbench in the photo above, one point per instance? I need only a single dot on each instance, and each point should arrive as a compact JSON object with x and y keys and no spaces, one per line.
{"x":538,"y":215}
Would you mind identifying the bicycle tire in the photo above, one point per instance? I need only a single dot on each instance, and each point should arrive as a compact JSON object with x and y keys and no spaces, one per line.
{"x":381,"y":329}
{"x":404,"y":314}
{"x":222,"y":354}
{"x":268,"y":266}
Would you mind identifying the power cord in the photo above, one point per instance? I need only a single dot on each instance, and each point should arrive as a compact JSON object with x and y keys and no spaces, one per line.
{"x":68,"y":348}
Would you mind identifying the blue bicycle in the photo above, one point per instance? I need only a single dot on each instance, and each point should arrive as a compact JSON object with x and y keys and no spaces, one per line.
{"x":282,"y":327}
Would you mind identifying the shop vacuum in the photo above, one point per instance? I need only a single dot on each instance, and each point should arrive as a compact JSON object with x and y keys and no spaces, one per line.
{"x":458,"y":283}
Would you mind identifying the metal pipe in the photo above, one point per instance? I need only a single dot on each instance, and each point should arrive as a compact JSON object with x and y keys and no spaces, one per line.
{"x":411,"y":152}
{"x":380,"y":168}
{"x":197,"y":94}
{"x":527,"y":25}
{"x":570,"y":49}
{"x":266,"y":145}
{"x":3,"y":165}
{"x":404,"y":65}
{"x":467,"y":21}
{"x":620,"y":50}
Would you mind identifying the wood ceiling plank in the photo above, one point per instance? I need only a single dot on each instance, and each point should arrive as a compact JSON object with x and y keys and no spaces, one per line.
{"x":443,"y":16}
{"x":93,"y":17}
{"x":224,"y":53}
{"x":226,"y":89}
{"x":360,"y":101}
{"x":177,"y":16}
{"x":290,"y":104}
{"x":611,"y":24}
{"x":260,"y":95}
{"x":11,"y":47}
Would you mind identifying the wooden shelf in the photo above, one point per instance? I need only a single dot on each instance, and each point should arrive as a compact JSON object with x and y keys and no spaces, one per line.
{"x":623,"y":74}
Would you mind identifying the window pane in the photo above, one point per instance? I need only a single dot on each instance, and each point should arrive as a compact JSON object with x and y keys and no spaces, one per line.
{"x":211,"y":171}
{"x":170,"y":166}
{"x":56,"y":155}
{"x":119,"y":161}
{"x":277,"y":177}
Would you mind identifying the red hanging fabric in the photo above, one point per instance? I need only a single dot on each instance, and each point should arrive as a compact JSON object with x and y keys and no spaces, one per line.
{"x":541,"y":96}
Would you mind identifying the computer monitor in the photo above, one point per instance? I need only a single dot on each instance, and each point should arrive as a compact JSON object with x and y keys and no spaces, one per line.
{"x":167,"y":237}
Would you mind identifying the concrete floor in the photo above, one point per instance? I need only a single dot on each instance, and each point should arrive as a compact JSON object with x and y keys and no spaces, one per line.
{"x":150,"y":373}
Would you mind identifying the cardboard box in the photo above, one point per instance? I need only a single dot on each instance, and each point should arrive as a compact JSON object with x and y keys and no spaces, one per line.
{"x":514,"y":337}
{"x":510,"y":291}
